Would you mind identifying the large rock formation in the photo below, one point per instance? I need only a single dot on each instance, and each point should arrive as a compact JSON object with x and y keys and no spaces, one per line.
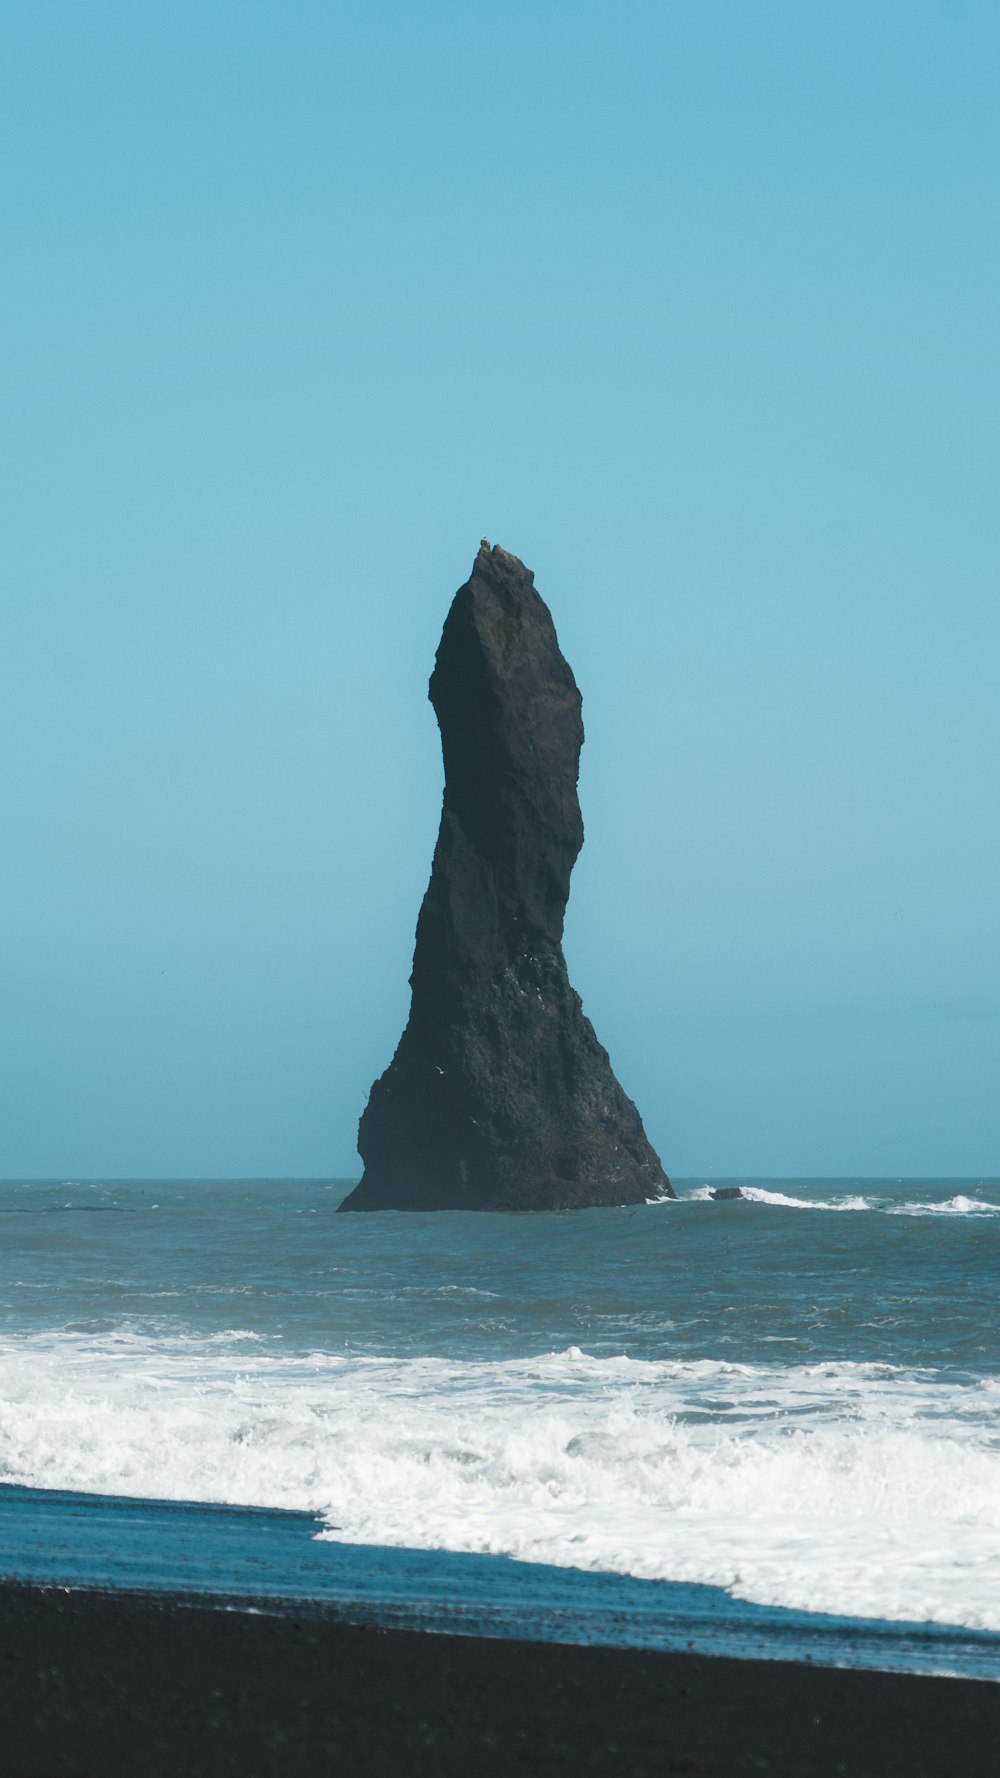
{"x":499,"y":1096}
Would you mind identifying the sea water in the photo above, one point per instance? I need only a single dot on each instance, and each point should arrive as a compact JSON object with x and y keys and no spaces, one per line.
{"x":792,"y":1398}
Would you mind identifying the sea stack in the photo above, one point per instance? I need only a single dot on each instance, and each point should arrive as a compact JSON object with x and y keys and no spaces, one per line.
{"x":499,"y":1096}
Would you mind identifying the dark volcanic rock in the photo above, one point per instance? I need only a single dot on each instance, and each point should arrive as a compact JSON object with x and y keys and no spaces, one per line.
{"x":499,"y":1096}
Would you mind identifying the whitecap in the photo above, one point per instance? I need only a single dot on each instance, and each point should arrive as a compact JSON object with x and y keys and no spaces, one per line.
{"x":759,"y":1194}
{"x":959,"y":1205}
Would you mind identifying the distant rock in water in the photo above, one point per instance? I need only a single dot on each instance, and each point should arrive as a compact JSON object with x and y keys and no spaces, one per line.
{"x":499,"y":1096}
{"x":726,"y":1194}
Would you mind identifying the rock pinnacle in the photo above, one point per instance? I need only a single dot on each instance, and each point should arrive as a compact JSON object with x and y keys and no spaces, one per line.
{"x":499,"y":1096}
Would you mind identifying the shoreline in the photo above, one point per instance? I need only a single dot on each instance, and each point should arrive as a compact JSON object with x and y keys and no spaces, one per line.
{"x":94,"y":1682}
{"x":283,"y":1560}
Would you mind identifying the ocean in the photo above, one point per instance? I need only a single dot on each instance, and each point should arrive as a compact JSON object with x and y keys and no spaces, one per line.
{"x":765,"y":1425}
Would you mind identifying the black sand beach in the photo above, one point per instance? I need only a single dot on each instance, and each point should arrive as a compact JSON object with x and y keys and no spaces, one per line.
{"x":96,"y":1685}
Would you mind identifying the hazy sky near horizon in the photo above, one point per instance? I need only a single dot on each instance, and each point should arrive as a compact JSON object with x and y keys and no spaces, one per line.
{"x":693,"y":307}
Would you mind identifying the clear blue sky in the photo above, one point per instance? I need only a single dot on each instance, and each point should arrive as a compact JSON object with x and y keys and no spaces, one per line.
{"x":693,"y":306}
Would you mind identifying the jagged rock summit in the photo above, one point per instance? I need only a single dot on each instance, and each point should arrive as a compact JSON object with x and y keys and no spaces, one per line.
{"x":499,"y":1096}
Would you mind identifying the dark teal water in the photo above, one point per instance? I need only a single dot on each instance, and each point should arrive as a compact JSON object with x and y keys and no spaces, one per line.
{"x":912,"y":1276}
{"x":792,"y":1398}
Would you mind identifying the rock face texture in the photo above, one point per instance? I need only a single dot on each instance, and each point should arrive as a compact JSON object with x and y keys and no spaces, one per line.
{"x":499,"y":1096}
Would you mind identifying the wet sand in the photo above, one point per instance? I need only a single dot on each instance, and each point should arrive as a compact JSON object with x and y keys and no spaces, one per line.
{"x":97,"y":1685}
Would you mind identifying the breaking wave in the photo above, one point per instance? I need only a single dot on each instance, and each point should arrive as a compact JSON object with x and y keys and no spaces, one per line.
{"x":862,"y":1489}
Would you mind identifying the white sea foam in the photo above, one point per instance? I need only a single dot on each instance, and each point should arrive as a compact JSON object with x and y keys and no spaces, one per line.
{"x":855,"y":1488}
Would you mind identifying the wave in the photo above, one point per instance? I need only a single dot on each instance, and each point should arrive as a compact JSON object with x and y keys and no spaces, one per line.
{"x":758,"y":1195}
{"x":959,"y":1205}
{"x":861,"y":1489}
{"x":956,"y":1206}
